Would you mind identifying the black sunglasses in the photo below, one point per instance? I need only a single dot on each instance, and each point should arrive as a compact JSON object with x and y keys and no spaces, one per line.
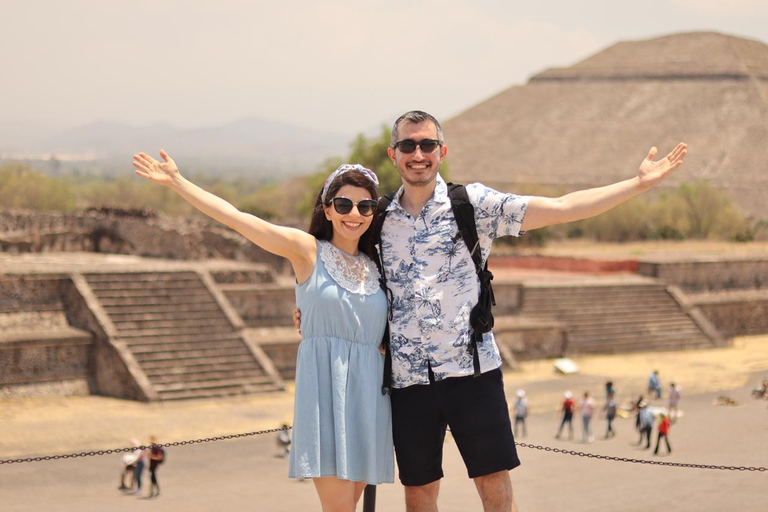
{"x":343,"y":205}
{"x":409,"y":146}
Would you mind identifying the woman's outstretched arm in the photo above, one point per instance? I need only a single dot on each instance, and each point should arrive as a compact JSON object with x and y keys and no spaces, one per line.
{"x":295,"y":245}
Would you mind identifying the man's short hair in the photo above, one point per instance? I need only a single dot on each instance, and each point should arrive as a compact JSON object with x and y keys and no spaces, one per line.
{"x":417,"y":116}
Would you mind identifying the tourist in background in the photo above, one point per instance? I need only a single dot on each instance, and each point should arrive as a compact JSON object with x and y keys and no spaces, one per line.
{"x":646,"y":424}
{"x":567,"y":415}
{"x":610,"y":414}
{"x":521,"y":411}
{"x":675,"y":393}
{"x":587,"y":406}
{"x":156,"y":457}
{"x":654,"y":384}
{"x":664,"y":425}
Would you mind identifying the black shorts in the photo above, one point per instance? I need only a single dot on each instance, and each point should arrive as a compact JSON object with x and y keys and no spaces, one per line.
{"x":475,"y":409}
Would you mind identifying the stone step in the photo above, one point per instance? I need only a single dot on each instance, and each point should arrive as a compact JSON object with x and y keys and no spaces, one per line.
{"x":175,"y":314}
{"x":161,"y":310}
{"x":218,"y":392}
{"x":212,"y":383}
{"x":150,"y":338}
{"x":211,"y":361}
{"x":166,"y":347}
{"x":603,"y":320}
{"x":127,"y":286}
{"x":177,"y":330}
{"x":144,"y":293}
{"x":639,"y":346}
{"x":154,"y":300}
{"x":199,"y":376}
{"x":603,"y":314}
{"x":583,"y":302}
{"x":141,"y":276}
{"x":180,"y":356}
{"x":143,"y":325}
{"x":601,"y":291}
{"x":618,"y":338}
{"x":611,"y":330}
{"x":159,"y":371}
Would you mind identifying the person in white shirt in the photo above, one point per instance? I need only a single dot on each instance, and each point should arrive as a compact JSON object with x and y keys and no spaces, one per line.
{"x":587,"y":406}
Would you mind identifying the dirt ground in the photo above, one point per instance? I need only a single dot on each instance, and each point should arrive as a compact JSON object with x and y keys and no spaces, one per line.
{"x":245,"y":474}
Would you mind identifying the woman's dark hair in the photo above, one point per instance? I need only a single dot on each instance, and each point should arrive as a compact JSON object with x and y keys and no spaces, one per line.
{"x":322,"y":229}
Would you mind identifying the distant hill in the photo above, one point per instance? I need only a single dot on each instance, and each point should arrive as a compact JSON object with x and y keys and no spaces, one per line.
{"x":248,"y":146}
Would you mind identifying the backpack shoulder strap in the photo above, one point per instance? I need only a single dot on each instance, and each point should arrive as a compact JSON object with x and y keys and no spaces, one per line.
{"x":464,"y":213}
{"x":378,"y":224}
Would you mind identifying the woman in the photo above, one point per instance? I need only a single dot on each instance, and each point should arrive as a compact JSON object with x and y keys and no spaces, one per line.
{"x":342,"y":430}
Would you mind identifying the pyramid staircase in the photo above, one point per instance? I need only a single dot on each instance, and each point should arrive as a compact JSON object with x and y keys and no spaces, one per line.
{"x":178,"y":331}
{"x":619,"y":318}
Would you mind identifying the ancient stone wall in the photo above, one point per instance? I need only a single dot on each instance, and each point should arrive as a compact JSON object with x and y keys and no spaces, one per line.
{"x":262,"y":306}
{"x":697,"y":276}
{"x":40,"y":352}
{"x":737,"y":317}
{"x":135,"y":232}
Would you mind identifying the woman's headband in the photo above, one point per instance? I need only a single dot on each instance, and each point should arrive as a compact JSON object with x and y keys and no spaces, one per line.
{"x":343,"y":169}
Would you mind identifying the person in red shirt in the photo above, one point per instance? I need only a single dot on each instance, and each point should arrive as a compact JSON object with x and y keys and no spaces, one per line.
{"x":664,"y":424}
{"x":567,"y":415}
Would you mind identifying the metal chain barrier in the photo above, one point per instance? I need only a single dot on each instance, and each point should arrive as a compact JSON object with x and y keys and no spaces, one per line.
{"x":133,"y":448}
{"x":271,"y":431}
{"x":639,"y":461}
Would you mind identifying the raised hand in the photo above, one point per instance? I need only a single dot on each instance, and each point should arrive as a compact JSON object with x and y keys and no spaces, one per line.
{"x":652,"y":173}
{"x":163,"y":173}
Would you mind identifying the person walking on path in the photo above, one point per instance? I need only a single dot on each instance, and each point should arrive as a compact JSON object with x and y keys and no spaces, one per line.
{"x":342,"y":428}
{"x":664,"y":425}
{"x":654,"y":384}
{"x":567,"y":417}
{"x":141,"y":463}
{"x":521,"y":411}
{"x":675,"y":393}
{"x":646,"y":424}
{"x":445,"y":374}
{"x":156,"y":457}
{"x":609,"y":389}
{"x":284,"y":441}
{"x":610,"y":414}
{"x":130,"y":461}
{"x":587,"y":406}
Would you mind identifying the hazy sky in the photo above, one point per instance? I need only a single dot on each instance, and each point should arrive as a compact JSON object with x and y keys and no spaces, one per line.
{"x":341,"y":65}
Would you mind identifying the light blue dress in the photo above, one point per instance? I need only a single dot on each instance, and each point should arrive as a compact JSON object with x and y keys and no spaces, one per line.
{"x":342,"y":424}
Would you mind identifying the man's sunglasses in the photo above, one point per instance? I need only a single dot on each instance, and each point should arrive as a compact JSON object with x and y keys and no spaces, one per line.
{"x":409,"y":146}
{"x":343,"y":205}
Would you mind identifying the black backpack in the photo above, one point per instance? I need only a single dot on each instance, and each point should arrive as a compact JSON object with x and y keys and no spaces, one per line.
{"x":481,"y":316}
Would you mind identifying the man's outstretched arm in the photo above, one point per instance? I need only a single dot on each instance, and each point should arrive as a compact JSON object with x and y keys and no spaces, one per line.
{"x":545,"y":211}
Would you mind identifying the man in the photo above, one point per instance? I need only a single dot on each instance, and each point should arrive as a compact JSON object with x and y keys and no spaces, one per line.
{"x":434,"y":286}
{"x":654,"y":384}
{"x":646,"y":424}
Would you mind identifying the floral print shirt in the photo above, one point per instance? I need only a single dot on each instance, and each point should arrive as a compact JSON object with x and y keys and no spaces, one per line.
{"x":433,"y":282}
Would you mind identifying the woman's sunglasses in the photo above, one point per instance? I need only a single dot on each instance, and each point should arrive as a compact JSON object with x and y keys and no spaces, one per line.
{"x":343,"y":205}
{"x":408,"y":146}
